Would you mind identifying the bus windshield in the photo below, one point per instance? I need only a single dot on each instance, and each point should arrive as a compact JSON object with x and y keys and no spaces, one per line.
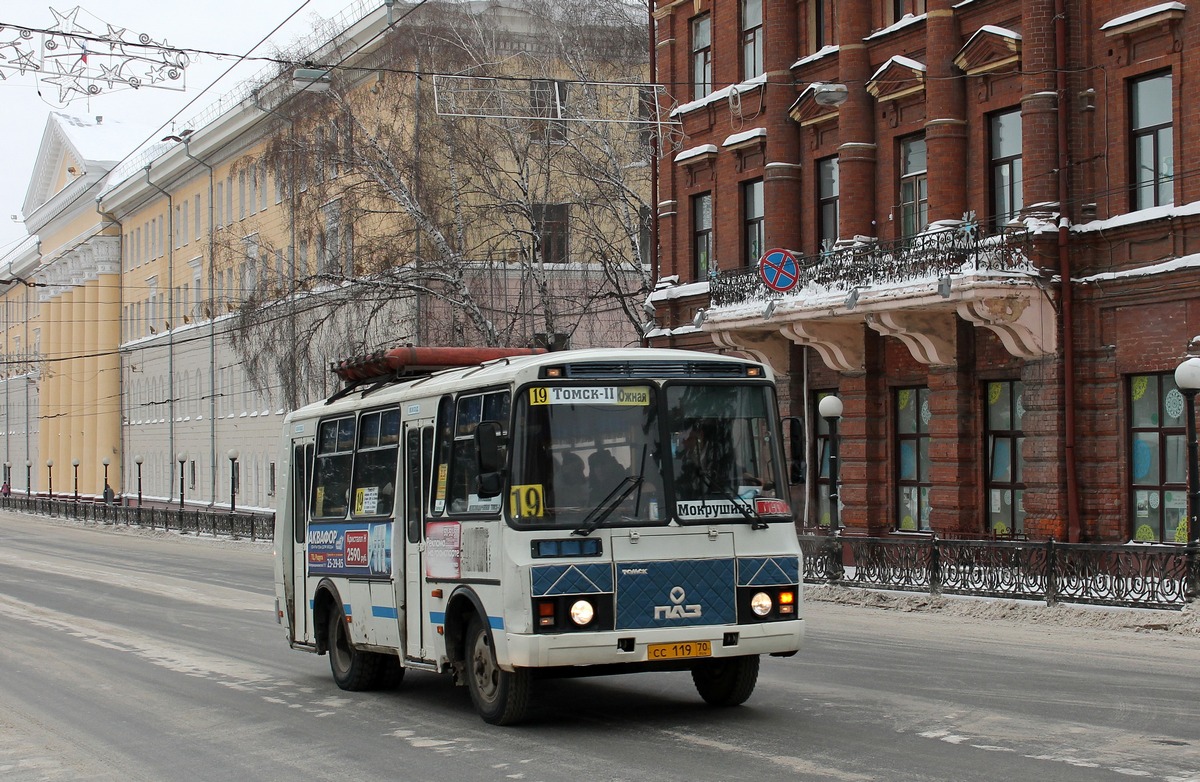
{"x":723,"y":453}
{"x":579,"y":449}
{"x":576,"y":447}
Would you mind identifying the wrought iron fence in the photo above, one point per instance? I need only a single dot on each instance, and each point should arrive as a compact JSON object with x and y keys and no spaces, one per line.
{"x":866,"y":262}
{"x":255,"y":526}
{"x":1135,"y":575}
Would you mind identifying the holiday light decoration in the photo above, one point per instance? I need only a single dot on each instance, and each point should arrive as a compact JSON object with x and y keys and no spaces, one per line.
{"x":81,"y":61}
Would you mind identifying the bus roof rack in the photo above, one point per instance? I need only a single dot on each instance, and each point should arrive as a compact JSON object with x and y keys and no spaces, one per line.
{"x":389,"y":366}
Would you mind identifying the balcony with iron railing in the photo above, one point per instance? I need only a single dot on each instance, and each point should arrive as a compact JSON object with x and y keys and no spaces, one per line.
{"x":912,"y":289}
{"x":946,"y":251}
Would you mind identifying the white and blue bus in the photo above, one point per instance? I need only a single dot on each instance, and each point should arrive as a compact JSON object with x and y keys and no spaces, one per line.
{"x":502,"y":515}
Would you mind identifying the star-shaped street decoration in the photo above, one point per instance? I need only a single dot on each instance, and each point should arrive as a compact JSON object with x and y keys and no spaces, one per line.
{"x":115,"y":37}
{"x":68,"y":80}
{"x":111,"y":73}
{"x":68,"y":27}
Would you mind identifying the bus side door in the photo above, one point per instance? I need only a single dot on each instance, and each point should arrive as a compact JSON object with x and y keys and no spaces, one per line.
{"x":418,"y":462}
{"x":296,"y":565}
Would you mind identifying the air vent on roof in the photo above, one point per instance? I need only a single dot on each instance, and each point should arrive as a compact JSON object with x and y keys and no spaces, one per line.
{"x":595,"y":369}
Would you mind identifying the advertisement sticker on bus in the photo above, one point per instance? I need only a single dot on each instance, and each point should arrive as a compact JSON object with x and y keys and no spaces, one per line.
{"x":350,"y":549}
{"x":443,"y":549}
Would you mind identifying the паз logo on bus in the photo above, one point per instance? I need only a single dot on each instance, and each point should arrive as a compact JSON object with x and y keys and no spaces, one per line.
{"x":677,"y":610}
{"x":356,"y":548}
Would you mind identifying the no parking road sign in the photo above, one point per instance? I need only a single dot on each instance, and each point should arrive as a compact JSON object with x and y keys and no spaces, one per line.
{"x":779,"y":270}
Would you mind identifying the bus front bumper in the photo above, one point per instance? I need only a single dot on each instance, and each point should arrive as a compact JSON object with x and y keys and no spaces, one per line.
{"x":650,"y":645}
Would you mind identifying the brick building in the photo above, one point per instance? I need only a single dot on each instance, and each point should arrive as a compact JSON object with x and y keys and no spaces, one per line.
{"x":990,"y":226}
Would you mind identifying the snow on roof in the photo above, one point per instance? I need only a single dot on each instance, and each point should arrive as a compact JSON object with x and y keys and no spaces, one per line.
{"x":1151,"y":11}
{"x":99,"y":138}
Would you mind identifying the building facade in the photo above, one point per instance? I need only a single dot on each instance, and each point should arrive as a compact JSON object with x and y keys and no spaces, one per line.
{"x":972,"y":221}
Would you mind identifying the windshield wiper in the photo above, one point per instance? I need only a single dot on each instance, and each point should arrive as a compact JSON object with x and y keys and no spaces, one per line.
{"x":747,"y":510}
{"x":607,"y":505}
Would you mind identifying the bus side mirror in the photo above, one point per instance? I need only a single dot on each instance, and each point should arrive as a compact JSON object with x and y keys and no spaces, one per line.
{"x":489,"y":458}
{"x":795,"y":440}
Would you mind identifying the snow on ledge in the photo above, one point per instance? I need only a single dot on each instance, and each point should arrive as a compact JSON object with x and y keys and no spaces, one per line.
{"x":719,"y":95}
{"x":746,"y":135}
{"x":703,"y":149}
{"x":819,"y":54}
{"x":899,"y":59}
{"x":1142,"y":14}
{"x":904,"y":21}
{"x":1140,"y":216}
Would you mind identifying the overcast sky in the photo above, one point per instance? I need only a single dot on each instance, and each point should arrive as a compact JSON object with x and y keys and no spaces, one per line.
{"x":235,"y":27}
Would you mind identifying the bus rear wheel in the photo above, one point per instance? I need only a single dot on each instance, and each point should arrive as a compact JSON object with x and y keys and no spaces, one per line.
{"x":726,"y":681}
{"x":501,"y":697}
{"x":353,"y":669}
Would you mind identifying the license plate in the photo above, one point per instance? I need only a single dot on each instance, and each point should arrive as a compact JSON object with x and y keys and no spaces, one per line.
{"x":679,"y":650}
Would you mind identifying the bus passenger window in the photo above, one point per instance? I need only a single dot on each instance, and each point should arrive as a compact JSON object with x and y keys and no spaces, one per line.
{"x":335,"y":454}
{"x":374,"y":488}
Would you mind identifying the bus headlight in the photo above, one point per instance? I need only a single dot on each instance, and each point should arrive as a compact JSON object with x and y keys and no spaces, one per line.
{"x":582,"y":612}
{"x":760,"y":604}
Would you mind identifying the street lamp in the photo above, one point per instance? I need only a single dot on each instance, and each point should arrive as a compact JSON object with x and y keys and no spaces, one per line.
{"x":181,"y":457}
{"x":108,"y":498}
{"x":1187,"y":378}
{"x":138,"y":461}
{"x":830,"y":408}
{"x":28,"y":477}
{"x":75,"y":464}
{"x":50,"y":476}
{"x":233,"y":457}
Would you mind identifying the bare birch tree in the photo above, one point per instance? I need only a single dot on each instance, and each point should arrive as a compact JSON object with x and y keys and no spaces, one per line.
{"x":485,"y":228}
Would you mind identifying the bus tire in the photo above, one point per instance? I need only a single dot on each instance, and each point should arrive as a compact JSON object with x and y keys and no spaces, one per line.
{"x":726,"y":681}
{"x":501,"y":697}
{"x":353,"y":669}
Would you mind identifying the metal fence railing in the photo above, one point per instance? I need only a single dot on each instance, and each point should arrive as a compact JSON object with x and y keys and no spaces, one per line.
{"x":1135,"y":575}
{"x":255,"y":526}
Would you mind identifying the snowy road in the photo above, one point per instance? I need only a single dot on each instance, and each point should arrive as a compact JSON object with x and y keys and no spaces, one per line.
{"x":136,"y":656}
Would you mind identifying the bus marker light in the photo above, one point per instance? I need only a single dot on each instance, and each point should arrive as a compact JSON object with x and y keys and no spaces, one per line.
{"x":436,"y":593}
{"x":546,"y":613}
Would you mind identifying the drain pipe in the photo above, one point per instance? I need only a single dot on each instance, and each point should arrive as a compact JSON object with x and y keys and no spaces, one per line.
{"x":1074,"y":525}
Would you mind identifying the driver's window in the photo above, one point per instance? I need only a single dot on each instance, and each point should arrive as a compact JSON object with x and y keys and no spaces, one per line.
{"x":463,"y":467}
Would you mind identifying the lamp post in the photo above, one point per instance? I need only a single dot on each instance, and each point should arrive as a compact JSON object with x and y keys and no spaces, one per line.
{"x":830,"y":409}
{"x":50,"y":476}
{"x":1187,"y":378}
{"x":233,"y":487}
{"x":138,"y":461}
{"x":8,"y":478}
{"x":181,"y":457}
{"x":108,"y":493}
{"x":28,"y":477}
{"x":75,"y":464}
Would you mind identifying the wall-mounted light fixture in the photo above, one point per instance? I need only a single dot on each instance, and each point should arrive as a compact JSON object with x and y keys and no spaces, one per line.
{"x":830,"y":94}
{"x":311,"y":79}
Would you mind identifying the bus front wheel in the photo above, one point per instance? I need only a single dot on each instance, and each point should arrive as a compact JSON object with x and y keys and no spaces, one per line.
{"x":501,"y":697}
{"x":726,"y":681}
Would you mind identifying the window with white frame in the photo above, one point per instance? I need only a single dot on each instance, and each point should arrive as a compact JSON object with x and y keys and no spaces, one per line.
{"x":752,"y":38}
{"x":914,"y":187}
